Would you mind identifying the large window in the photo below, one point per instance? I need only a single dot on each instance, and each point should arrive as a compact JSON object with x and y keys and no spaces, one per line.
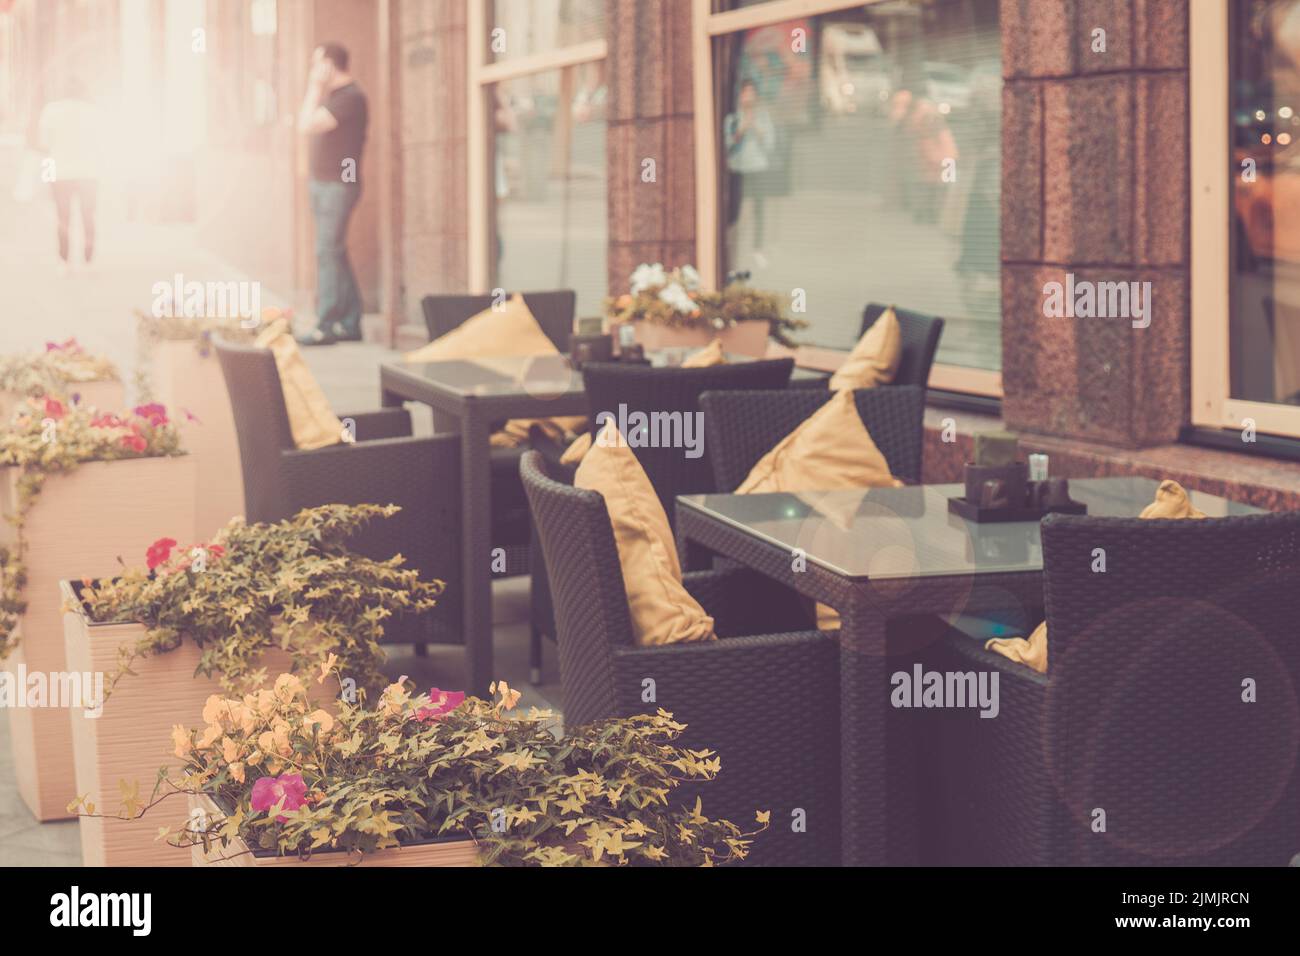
{"x":857,"y":157}
{"x":1246,"y":215}
{"x":539,"y":214}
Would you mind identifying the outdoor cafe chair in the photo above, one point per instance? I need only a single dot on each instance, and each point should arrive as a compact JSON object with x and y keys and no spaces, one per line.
{"x":742,"y":427}
{"x":1165,"y":730}
{"x":764,"y":695}
{"x":385,"y":465}
{"x":919,"y":334}
{"x":672,"y":390}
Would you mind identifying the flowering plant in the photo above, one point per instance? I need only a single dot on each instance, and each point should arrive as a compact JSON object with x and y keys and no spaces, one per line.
{"x":674,"y":298}
{"x":53,"y":370}
{"x":291,"y":780}
{"x":291,"y":584}
{"x":50,"y":436}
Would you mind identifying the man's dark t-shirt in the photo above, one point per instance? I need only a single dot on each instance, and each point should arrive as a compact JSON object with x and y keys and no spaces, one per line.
{"x":329,"y":150}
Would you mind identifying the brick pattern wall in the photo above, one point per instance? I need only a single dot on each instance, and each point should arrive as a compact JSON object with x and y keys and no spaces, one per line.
{"x":434,"y":209}
{"x":1095,"y":181}
{"x":650,"y":117}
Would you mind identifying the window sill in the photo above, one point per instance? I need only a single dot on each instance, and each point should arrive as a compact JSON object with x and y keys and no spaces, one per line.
{"x":1258,"y":479}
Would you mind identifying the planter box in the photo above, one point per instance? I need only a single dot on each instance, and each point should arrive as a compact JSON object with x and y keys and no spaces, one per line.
{"x":433,"y":853}
{"x":131,"y":738}
{"x":185,"y":381}
{"x":105,"y":396}
{"x":743,"y":338}
{"x":80,"y":525}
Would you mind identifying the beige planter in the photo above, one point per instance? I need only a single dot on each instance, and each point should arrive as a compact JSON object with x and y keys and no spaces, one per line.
{"x":105,"y":396}
{"x":186,"y":381}
{"x":131,"y":738}
{"x":743,"y":338}
{"x":81,"y":524}
{"x":444,"y":853}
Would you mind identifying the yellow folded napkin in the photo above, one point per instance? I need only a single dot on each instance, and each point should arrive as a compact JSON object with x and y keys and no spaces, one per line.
{"x":707,"y":357}
{"x":1171,"y":501}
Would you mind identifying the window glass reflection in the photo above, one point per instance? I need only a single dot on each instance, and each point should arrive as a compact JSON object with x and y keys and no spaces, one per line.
{"x":860,"y":157}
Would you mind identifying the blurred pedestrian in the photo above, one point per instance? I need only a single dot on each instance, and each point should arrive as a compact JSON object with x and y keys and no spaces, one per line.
{"x":333,"y":115}
{"x":70,"y":134}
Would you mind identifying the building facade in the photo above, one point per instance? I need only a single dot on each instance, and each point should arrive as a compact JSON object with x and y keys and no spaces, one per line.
{"x":1094,"y":194}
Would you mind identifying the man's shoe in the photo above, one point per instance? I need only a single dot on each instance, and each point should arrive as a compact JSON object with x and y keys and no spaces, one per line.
{"x":341,"y":334}
{"x":316,"y":337}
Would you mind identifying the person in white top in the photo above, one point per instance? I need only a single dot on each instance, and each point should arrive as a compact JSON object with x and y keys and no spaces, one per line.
{"x":70,"y":134}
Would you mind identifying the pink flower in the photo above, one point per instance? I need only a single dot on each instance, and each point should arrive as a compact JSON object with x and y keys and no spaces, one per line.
{"x":106,"y":421}
{"x":159,"y":552}
{"x":190,"y":416}
{"x":155,"y":414}
{"x":135,"y":441}
{"x":441,"y":703}
{"x":69,"y":346}
{"x":54,"y":408}
{"x":268,"y":791}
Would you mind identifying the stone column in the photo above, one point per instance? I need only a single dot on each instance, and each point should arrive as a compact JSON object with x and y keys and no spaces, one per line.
{"x":431,"y":44}
{"x":651,"y":117}
{"x":1095,"y":181}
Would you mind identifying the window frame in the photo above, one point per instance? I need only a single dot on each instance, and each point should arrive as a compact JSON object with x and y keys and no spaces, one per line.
{"x":707,"y":26}
{"x":482,"y":75}
{"x":1209,"y":71}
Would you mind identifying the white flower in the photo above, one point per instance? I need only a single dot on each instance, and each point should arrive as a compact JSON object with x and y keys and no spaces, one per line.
{"x":690,"y":278}
{"x":676,"y":297}
{"x":648,"y":277}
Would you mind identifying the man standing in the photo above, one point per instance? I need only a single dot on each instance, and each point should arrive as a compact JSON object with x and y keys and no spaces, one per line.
{"x":333,"y":116}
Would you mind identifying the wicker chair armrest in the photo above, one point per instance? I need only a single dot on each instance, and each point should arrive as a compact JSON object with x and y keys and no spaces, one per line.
{"x":401,"y":470}
{"x":729,"y":657}
{"x":380,"y":423}
{"x":742,"y":601}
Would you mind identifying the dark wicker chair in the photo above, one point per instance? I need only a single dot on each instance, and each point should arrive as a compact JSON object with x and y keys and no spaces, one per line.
{"x":766,"y":701}
{"x":920,"y":336}
{"x":646,"y":389}
{"x":742,"y":427}
{"x":384,"y":466}
{"x":920,"y":340}
{"x":554,"y":311}
{"x":1141,"y":712}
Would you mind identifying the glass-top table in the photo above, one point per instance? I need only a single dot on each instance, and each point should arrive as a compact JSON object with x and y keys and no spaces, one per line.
{"x":881,"y":557}
{"x":904,"y":533}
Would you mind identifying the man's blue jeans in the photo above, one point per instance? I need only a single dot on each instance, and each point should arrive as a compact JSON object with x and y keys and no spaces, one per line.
{"x":338,"y":299}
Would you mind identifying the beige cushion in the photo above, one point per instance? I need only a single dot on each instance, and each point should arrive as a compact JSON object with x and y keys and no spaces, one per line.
{"x":510,"y":330}
{"x":831,"y":449}
{"x":662,"y":610}
{"x":1171,"y":502}
{"x":874,"y":360}
{"x":707,"y":357}
{"x":312,"y":422}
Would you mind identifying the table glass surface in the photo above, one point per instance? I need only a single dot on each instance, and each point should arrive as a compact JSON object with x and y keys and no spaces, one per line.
{"x":538,"y":375}
{"x":900,"y":533}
